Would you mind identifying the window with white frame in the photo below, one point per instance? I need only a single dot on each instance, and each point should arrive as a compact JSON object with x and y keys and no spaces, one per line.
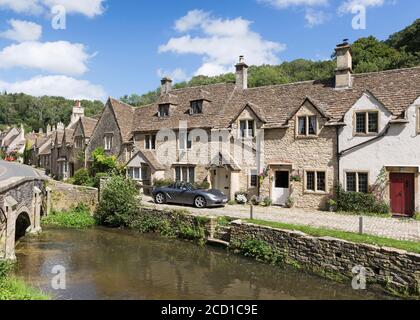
{"x":150,"y":142}
{"x":316,"y":181}
{"x":307,"y":126}
{"x":247,"y":129}
{"x":108,"y":142}
{"x":196,"y":107}
{"x":138,"y":173}
{"x":367,"y":122}
{"x":185,"y":174}
{"x":185,"y":142}
{"x":78,"y":142}
{"x":164,"y":110}
{"x":357,"y":182}
{"x":253,"y":179}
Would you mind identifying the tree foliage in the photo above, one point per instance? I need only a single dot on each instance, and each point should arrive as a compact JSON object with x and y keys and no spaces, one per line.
{"x":102,"y":163}
{"x":401,"y":50}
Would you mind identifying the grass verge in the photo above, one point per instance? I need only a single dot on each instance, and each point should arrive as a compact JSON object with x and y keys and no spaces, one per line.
{"x":12,"y":288}
{"x":410,"y":246}
{"x":78,"y":217}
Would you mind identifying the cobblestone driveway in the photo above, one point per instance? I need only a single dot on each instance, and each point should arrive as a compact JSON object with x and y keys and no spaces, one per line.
{"x":401,"y":229}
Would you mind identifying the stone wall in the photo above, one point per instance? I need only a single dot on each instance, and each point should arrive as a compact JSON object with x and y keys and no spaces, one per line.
{"x":395,"y":270}
{"x":64,"y":196}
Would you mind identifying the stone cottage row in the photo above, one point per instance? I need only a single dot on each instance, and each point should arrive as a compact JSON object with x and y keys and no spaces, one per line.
{"x":294,"y":141}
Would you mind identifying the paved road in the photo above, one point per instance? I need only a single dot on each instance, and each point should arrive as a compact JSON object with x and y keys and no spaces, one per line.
{"x":401,"y":229}
{"x":12,"y":170}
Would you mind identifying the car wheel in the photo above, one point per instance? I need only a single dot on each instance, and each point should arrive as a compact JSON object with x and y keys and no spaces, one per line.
{"x":200,"y":202}
{"x":160,"y":198}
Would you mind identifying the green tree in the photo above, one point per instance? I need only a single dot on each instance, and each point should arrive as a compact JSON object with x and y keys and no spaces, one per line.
{"x":102,"y":163}
{"x":119,"y":202}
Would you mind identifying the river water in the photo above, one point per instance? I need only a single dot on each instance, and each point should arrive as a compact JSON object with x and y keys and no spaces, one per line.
{"x":114,"y":264}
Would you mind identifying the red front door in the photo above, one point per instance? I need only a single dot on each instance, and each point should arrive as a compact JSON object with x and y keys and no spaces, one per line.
{"x":402,"y":193}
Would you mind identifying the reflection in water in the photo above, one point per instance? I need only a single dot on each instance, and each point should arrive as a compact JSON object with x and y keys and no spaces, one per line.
{"x":113,"y":264}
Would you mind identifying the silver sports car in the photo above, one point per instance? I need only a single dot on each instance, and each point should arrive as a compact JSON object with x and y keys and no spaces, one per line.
{"x":186,"y":194}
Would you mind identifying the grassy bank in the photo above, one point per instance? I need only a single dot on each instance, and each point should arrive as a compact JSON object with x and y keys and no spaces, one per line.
{"x":410,"y":246}
{"x":78,"y":217}
{"x":12,"y":288}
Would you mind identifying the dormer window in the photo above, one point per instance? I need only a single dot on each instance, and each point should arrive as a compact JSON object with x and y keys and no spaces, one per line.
{"x":367,"y":122}
{"x":196,"y":107}
{"x":307,"y":126}
{"x":164,"y":110}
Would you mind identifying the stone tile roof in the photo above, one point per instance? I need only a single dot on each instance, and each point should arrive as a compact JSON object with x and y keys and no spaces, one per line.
{"x":68,"y":136}
{"x":125,"y":116}
{"x":89,"y":125}
{"x":150,"y":157}
{"x":216,"y":95}
{"x":396,"y":90}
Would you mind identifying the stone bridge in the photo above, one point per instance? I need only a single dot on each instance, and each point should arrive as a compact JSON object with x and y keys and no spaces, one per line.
{"x":23,"y":201}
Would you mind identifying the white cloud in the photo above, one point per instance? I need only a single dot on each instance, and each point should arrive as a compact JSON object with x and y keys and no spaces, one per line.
{"x":315,"y":17}
{"x":56,"y":86}
{"x":22,"y":31}
{"x":177,"y":75}
{"x":221,"y":42}
{"x":89,"y":8}
{"x":281,"y":4}
{"x":22,"y":6}
{"x":57,"y":57}
{"x":348,"y":5}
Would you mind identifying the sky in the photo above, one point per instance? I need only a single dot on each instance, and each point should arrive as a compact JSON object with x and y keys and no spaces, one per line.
{"x":92,"y":49}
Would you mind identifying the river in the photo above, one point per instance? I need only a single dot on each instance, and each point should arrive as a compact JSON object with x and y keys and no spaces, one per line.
{"x":104,"y":263}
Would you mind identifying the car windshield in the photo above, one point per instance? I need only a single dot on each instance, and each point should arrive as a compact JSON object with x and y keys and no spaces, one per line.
{"x":183,"y":186}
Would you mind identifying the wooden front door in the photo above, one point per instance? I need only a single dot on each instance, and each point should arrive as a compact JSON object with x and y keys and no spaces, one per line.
{"x":402,"y":193}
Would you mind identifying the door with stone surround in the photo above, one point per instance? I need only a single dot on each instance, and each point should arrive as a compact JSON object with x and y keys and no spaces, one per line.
{"x":402,"y":193}
{"x":281,"y":187}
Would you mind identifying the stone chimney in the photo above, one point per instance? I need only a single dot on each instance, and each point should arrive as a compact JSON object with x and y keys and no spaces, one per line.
{"x":41,"y":131}
{"x":78,"y":112}
{"x":49,"y":129}
{"x":60,"y":126}
{"x":241,"y":74}
{"x":166,"y":85}
{"x":344,"y":71}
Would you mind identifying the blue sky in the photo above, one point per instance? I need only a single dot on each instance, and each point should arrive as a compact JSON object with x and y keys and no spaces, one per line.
{"x":117,"y":47}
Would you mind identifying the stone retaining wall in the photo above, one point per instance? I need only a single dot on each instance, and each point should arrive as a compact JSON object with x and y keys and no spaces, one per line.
{"x":64,"y":196}
{"x":395,"y":270}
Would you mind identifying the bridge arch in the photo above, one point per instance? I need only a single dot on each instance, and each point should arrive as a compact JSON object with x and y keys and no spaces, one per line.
{"x":22,"y":224}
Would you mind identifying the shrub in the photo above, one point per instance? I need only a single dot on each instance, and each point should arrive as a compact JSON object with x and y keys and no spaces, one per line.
{"x":290,"y":202}
{"x":261,"y":251}
{"x":158,"y":183}
{"x":102,"y":162}
{"x":231,"y":202}
{"x":205,"y":185}
{"x":358,"y":202}
{"x":256,"y":201}
{"x":77,"y":217}
{"x":241,"y":197}
{"x":119,"y":202}
{"x":267,"y":202}
{"x":82,"y":178}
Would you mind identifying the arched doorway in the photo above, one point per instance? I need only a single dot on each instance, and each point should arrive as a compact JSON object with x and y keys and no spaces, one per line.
{"x":23,"y":222}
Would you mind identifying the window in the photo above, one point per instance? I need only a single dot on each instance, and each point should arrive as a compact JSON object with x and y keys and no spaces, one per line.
{"x":185,"y":143}
{"x":367,"y":122}
{"x":185,"y":174}
{"x":197,"y":107}
{"x":316,"y":181}
{"x":307,"y":126}
{"x":253,"y":179}
{"x":108,"y":142}
{"x":164,"y":110}
{"x":150,"y":142}
{"x":138,"y":173}
{"x":357,"y":182}
{"x":247,"y":128}
{"x":78,"y":142}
